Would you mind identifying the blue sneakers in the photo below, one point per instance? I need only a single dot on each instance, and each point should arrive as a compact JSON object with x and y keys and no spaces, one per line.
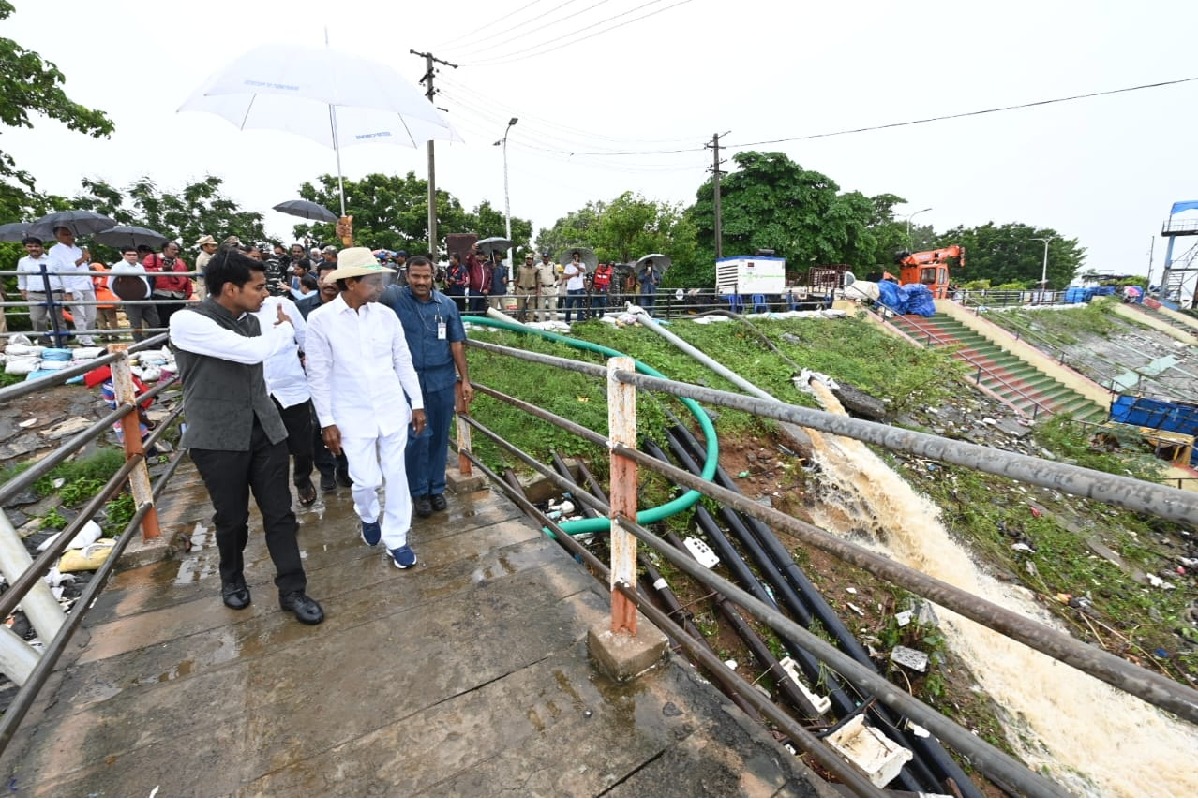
{"x":372,"y":533}
{"x":404,"y":557}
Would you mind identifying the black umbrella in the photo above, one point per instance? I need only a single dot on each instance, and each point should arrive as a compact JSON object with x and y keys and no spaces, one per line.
{"x":494,"y":244}
{"x":15,"y":231}
{"x":307,"y":210}
{"x":130,"y":236}
{"x":81,"y":223}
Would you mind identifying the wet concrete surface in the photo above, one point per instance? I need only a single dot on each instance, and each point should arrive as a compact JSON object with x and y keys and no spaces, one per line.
{"x":467,"y":675}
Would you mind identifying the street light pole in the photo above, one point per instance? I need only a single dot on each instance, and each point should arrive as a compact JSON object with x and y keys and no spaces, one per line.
{"x":1044,"y":267}
{"x":909,"y":217}
{"x":507,"y":205}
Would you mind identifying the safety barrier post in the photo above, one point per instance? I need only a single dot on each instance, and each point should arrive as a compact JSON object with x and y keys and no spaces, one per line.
{"x":125,"y":393}
{"x":621,"y":426}
{"x":465,"y":467}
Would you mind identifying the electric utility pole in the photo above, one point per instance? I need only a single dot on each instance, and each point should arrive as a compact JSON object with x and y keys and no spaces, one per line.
{"x":429,"y":72}
{"x":714,"y":146}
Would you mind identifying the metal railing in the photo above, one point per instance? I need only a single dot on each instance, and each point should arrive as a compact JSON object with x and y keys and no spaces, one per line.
{"x":623,"y":382}
{"x":20,"y":661}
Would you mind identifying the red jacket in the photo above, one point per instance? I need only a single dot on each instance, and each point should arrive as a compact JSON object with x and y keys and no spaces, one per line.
{"x":165,"y":281}
{"x":480,"y":279}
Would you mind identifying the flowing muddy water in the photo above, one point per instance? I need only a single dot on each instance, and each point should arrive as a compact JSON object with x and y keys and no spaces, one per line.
{"x":1090,"y":737}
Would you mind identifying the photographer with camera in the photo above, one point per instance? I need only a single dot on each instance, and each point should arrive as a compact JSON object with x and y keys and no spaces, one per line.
{"x":168,"y":290}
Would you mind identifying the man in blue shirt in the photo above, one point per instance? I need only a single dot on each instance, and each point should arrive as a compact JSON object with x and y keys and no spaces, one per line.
{"x":435,"y":334}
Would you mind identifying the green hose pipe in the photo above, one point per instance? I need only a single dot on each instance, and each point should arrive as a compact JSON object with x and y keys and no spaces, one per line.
{"x":649,"y":515}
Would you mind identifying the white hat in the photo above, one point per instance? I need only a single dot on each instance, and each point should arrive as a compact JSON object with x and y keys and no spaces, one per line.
{"x":356,"y":262}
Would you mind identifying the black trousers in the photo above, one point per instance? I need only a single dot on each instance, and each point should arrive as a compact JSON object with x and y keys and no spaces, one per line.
{"x":298,"y":421}
{"x":230,"y":476}
{"x":326,"y":462}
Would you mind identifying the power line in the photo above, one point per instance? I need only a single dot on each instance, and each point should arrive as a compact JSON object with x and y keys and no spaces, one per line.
{"x":582,"y":33}
{"x":549,"y":24}
{"x":505,"y":31}
{"x":997,"y":109}
{"x":994,"y":110}
{"x":484,"y":26}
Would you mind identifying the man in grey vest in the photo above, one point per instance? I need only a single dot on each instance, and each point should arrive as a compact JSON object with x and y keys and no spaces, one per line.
{"x":234,"y":433}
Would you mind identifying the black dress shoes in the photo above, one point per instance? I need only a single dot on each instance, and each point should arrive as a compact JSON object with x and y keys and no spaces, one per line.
{"x":306,"y":609}
{"x":437,"y":501}
{"x":422,"y":506}
{"x":328,"y":483}
{"x":236,"y":595}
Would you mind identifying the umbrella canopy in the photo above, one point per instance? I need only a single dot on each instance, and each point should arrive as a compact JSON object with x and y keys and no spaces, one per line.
{"x":81,"y":223}
{"x":307,"y":210}
{"x":588,"y":257}
{"x":130,"y":236}
{"x":329,"y":96}
{"x":660,"y":262}
{"x":494,"y":244}
{"x":15,"y":231}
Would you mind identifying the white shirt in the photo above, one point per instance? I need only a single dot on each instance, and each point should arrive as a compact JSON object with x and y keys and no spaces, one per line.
{"x":574,"y":273}
{"x":63,"y":258}
{"x":200,"y":335}
{"x":358,"y":366}
{"x":123,"y":267}
{"x":283,"y":372}
{"x":30,"y":277}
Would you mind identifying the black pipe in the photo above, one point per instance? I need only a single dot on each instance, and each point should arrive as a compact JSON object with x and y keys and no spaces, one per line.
{"x":564,"y":471}
{"x":761,"y":651}
{"x":928,"y":748}
{"x":914,"y":776}
{"x":658,"y":585}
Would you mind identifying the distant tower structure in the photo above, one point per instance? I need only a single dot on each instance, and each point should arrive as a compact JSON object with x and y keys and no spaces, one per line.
{"x":1179,"y":284}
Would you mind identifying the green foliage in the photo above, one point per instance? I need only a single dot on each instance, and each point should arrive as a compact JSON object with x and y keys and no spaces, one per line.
{"x":628,"y":227}
{"x":118,"y":513}
{"x":34,"y":86}
{"x":53,"y":520}
{"x":773,"y":203}
{"x":1009,"y":254}
{"x":198,"y":209}
{"x":391,"y":212}
{"x":81,"y":490}
{"x":1068,"y":439}
{"x":97,"y":467}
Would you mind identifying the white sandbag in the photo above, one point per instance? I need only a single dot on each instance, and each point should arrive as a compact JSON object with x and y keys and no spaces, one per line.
{"x":25,"y":350}
{"x":86,"y":353}
{"x":52,"y":366}
{"x":21,"y":366}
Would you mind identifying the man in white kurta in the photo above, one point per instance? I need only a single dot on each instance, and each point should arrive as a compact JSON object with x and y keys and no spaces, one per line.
{"x":359,"y":368}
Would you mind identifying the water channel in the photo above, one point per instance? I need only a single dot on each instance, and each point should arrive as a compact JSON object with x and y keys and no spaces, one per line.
{"x":1090,"y":737}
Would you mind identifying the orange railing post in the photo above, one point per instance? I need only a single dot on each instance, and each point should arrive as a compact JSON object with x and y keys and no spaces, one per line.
{"x":124,"y":393}
{"x":465,"y":467}
{"x":621,"y":427}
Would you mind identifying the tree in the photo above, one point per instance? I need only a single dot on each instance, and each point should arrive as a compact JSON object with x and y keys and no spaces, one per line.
{"x":771,"y":202}
{"x":576,"y":227}
{"x":391,"y":212}
{"x":34,"y":85}
{"x":1005,"y":254}
{"x":199,"y":209}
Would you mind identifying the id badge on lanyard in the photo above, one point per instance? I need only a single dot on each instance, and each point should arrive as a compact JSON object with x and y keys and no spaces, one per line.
{"x":440,"y":328}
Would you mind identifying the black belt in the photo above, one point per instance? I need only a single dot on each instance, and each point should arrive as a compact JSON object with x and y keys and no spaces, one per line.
{"x":54,"y":291}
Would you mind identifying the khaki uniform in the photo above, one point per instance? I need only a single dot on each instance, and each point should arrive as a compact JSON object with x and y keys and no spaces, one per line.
{"x":526,"y":290}
{"x":547,"y":282}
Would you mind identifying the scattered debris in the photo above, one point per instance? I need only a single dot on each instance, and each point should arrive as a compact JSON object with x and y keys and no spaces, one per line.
{"x":910,"y":658}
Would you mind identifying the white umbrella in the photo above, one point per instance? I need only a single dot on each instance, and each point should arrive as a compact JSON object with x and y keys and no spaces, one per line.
{"x":329,"y":96}
{"x":660,"y":262}
{"x":586,"y":256}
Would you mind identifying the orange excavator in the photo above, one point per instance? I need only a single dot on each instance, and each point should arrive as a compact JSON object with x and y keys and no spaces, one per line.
{"x":931,"y":268}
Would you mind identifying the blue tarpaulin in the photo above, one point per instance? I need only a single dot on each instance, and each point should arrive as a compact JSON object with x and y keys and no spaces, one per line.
{"x":904,"y":300}
{"x":1175,"y":417}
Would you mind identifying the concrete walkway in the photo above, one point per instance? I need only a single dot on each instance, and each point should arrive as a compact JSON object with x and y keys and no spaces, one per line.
{"x":465,"y":676}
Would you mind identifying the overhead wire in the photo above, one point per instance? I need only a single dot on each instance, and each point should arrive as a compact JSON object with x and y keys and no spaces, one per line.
{"x":514,"y":29}
{"x":548,"y":24}
{"x":582,"y":33}
{"x":484,"y":26}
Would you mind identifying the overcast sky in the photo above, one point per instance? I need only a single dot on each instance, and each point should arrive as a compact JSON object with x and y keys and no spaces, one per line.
{"x":1103,"y":170}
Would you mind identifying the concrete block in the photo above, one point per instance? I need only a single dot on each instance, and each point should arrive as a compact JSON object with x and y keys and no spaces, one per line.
{"x":456,"y":482}
{"x":623,"y":657}
{"x":142,"y":552}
